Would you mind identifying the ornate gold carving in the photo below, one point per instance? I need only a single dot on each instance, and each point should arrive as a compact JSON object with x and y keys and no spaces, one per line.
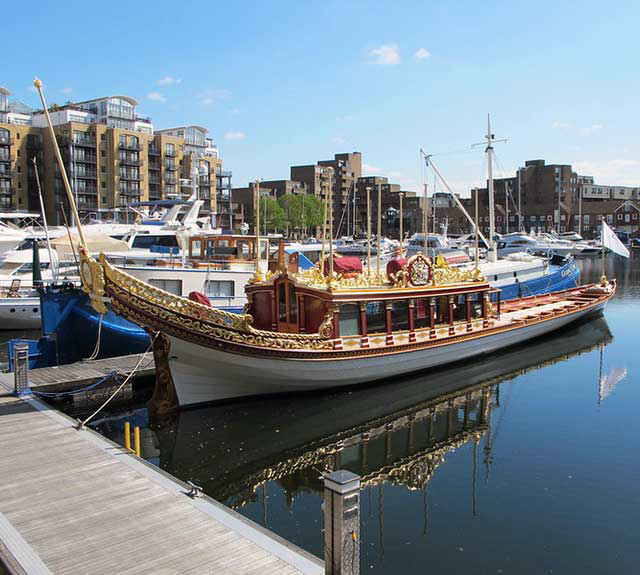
{"x":444,"y":274}
{"x":92,"y":277}
{"x":162,"y":307}
{"x":165,"y":399}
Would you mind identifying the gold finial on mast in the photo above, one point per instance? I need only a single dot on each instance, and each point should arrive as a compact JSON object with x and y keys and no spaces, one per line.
{"x":65,"y":180}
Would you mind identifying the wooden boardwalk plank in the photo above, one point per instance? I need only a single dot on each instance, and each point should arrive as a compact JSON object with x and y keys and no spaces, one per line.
{"x":78,"y":504}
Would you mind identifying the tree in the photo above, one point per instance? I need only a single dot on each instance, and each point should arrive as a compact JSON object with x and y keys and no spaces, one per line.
{"x":272,"y":216}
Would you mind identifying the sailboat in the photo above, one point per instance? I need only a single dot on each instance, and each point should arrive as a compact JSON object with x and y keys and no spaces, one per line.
{"x":328,"y":326}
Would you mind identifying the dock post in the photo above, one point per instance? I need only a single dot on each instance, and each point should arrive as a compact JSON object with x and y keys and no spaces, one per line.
{"x":341,"y":523}
{"x":21,"y":368}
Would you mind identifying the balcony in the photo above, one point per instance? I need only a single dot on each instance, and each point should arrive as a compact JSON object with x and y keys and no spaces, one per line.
{"x":170,"y":167}
{"x":85,"y":159}
{"x":6,"y":141}
{"x":170,"y":153}
{"x":84,"y":142}
{"x":153,"y":151}
{"x":170,"y":181}
{"x":87,"y":205}
{"x":88,"y":191}
{"x":7,"y":191}
{"x":34,"y":144}
{"x":7,"y":174}
{"x":8,"y":158}
{"x":129,"y":162}
{"x":86,"y":174}
{"x":130,"y":177}
{"x":131,"y":146}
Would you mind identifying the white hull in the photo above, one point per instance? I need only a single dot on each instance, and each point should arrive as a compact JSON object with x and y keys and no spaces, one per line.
{"x":19,"y":313}
{"x":203,"y":375}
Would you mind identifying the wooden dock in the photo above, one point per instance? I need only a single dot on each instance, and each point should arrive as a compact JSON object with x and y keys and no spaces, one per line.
{"x":82,"y":373}
{"x":73,"y":502}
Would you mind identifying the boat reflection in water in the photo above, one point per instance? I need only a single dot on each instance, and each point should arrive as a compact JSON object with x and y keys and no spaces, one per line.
{"x":398,"y":433}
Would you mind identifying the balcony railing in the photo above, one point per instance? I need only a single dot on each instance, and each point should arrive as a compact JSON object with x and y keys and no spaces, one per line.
{"x":170,"y":181}
{"x":86,"y":174}
{"x":87,"y":191}
{"x":7,"y":174}
{"x":153,"y":151}
{"x":130,"y":146}
{"x":130,"y":177}
{"x":171,"y":167}
{"x":7,"y":191}
{"x":85,"y":142}
{"x":153,"y":179}
{"x":34,"y":144}
{"x":170,"y":154}
{"x":130,"y":162}
{"x":86,"y":159}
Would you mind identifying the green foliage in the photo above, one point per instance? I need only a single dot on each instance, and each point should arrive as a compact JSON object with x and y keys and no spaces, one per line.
{"x":272,"y":216}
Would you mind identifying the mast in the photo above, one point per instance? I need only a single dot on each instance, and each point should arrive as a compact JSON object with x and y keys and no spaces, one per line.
{"x":379,"y":230}
{"x":475,"y":193}
{"x":324,"y":229}
{"x":580,"y":210}
{"x":54,"y":270}
{"x":256,"y":188}
{"x":559,"y":194}
{"x":433,"y":201}
{"x":506,"y":203}
{"x":519,"y":202}
{"x":368,"y":232}
{"x":65,"y":180}
{"x":330,"y":222}
{"x":401,"y":236}
{"x":355,"y":191}
{"x":425,"y":218}
{"x":493,"y":253}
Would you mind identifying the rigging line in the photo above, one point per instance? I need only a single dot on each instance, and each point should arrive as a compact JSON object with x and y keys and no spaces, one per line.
{"x":454,"y":152}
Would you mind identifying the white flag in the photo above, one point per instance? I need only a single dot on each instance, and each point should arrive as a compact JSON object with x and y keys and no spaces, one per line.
{"x":611,"y":241}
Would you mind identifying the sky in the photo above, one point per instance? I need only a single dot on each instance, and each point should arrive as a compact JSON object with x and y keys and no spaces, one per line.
{"x":281,"y":83}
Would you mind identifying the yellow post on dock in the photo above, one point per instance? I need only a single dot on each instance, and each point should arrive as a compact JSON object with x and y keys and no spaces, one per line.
{"x":127,"y":435}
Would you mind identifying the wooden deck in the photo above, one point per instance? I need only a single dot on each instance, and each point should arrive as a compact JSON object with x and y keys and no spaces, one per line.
{"x":83,"y":373}
{"x":72,"y":502}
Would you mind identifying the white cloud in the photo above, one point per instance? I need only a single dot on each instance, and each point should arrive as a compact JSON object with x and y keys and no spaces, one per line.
{"x":591,"y":129}
{"x":422,"y":53}
{"x":595,"y":127}
{"x":66,"y":90}
{"x":613,"y":172}
{"x":560,"y":125}
{"x":346,"y":118}
{"x":235,"y":111}
{"x":370,"y":170}
{"x":235,"y":136}
{"x":337,"y":140}
{"x":33,"y":89}
{"x":156,"y":97}
{"x":386,"y":55}
{"x":168,"y":81}
{"x":209,"y":97}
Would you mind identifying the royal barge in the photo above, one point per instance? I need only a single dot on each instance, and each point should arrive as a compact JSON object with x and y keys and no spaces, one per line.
{"x":312,"y":329}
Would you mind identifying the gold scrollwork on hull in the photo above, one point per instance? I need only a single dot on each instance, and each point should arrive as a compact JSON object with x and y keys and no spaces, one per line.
{"x":92,"y":276}
{"x":161,"y":307}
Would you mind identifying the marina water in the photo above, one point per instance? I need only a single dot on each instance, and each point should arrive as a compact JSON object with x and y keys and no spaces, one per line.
{"x":526,"y":462}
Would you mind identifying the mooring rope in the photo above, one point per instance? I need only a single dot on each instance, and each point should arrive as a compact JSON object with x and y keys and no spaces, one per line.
{"x":112,"y":374}
{"x":96,"y":349}
{"x":142,"y":357}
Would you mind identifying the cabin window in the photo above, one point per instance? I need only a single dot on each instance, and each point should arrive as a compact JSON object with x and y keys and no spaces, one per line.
{"x":476,"y":306}
{"x":400,"y":315}
{"x":196,"y":248}
{"x":147,"y":242}
{"x":349,"y":319}
{"x":376,"y":317}
{"x":421,"y":313}
{"x":282,"y":301}
{"x":459,"y":308}
{"x":293,"y":308}
{"x":442,"y":309}
{"x":214,"y":288}
{"x":172,"y":286}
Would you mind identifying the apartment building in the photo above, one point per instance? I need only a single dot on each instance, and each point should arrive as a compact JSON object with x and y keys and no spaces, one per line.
{"x":113,"y":158}
{"x":341,"y":173}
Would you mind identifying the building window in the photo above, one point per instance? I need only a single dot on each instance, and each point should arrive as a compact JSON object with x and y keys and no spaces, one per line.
{"x":609,"y":218}
{"x":215,"y":288}
{"x":585,"y":218}
{"x":619,"y":216}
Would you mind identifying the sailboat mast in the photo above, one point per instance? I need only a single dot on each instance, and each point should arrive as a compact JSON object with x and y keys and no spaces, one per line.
{"x":493,"y":253}
{"x":425,"y":217}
